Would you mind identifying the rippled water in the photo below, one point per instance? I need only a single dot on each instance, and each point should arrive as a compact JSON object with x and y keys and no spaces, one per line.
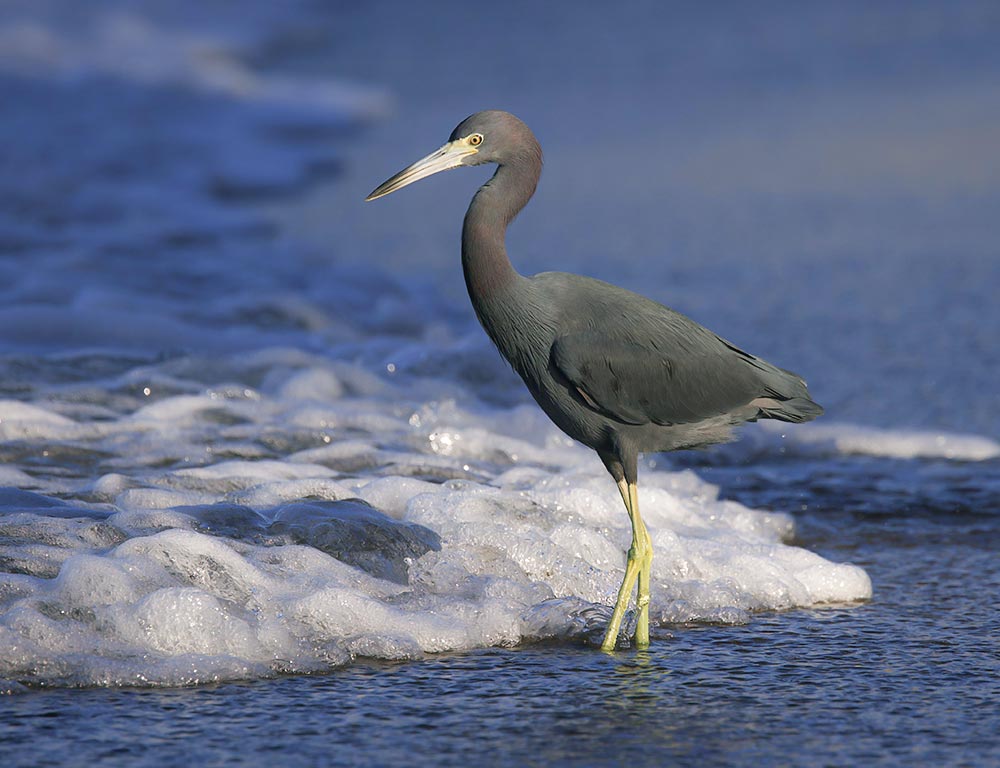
{"x":267,"y":493}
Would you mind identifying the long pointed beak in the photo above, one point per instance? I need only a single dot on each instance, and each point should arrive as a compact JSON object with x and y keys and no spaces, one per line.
{"x":449,"y":156}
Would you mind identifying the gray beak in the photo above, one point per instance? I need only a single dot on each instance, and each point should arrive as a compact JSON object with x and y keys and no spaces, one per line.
{"x":449,"y":156}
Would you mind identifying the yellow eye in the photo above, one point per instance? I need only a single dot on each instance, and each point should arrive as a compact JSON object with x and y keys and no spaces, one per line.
{"x":475,"y":139}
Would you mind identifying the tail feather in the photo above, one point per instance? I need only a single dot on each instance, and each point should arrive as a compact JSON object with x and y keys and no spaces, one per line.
{"x":787,"y":396}
{"x":794,"y":409}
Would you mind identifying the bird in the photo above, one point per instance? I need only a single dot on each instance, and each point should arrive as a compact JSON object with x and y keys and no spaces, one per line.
{"x":614,"y":370}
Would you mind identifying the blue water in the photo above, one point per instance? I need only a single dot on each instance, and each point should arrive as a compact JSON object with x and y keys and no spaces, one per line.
{"x":208,"y":342}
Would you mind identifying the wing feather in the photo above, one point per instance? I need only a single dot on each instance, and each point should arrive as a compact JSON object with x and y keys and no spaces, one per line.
{"x":668,"y":375}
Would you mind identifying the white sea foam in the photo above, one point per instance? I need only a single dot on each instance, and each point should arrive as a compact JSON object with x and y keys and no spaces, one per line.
{"x":872,"y":441}
{"x":205,"y":572}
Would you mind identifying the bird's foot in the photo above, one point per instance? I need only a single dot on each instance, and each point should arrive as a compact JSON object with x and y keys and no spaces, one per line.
{"x":624,"y":595}
{"x":625,"y":637}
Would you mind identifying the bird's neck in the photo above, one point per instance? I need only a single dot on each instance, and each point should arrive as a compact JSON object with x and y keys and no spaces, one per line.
{"x":484,"y":254}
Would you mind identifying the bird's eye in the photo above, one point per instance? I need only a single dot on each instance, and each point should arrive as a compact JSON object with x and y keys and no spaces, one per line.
{"x":476,"y":139}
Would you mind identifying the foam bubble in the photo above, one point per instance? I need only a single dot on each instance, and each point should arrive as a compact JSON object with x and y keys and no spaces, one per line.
{"x":392,"y":494}
{"x":88,"y":581}
{"x":156,"y":499}
{"x":176,"y":621}
{"x":269,"y":494}
{"x":312,"y":384}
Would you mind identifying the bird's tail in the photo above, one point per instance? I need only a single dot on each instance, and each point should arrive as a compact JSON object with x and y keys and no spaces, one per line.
{"x":786,"y":396}
{"x":794,"y":409}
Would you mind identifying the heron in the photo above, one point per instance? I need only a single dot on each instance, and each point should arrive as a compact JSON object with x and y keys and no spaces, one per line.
{"x":614,"y":370}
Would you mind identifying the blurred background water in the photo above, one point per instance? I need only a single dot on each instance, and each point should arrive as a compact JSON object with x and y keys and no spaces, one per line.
{"x":209,"y":345}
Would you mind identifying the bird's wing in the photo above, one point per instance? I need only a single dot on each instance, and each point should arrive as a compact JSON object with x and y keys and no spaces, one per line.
{"x":675,"y":373}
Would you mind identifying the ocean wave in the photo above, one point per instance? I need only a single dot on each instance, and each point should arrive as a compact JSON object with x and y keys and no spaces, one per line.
{"x":112,"y":41}
{"x":853,"y":439}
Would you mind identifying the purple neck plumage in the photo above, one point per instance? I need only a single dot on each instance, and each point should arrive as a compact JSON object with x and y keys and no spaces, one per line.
{"x":484,"y":255}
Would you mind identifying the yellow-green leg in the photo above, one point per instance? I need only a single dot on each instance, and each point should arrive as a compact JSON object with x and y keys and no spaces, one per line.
{"x":645,"y":567}
{"x":637,"y":568}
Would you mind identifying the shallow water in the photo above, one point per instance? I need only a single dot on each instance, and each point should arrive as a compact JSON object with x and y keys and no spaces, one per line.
{"x":210,"y":348}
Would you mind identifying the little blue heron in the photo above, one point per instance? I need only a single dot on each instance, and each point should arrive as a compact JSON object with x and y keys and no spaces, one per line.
{"x":614,"y":370}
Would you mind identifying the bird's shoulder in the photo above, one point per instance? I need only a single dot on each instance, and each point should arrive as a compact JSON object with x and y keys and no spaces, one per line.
{"x":590,"y":305}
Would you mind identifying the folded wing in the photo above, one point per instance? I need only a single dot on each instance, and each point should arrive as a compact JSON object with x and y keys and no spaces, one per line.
{"x":676,"y":372}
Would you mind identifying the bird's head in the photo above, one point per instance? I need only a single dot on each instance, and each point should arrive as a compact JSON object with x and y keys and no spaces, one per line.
{"x":485,"y":137}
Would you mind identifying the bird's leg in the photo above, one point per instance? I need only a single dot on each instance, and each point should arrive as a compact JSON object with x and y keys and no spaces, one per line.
{"x":637,"y":557}
{"x":645,"y":567}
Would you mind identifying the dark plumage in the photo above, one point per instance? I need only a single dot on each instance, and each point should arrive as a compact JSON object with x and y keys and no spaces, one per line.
{"x":613,"y":369}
